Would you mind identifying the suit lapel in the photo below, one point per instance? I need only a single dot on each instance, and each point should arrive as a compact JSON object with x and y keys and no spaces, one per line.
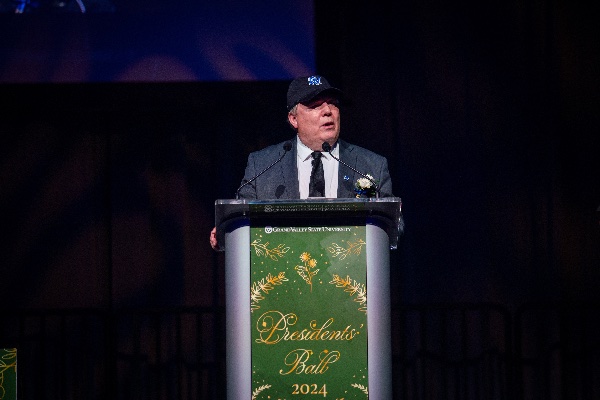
{"x":289,"y":171}
{"x":346,"y":177}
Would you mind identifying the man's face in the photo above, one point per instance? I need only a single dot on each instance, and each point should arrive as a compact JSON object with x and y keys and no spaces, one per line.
{"x":317,"y":121}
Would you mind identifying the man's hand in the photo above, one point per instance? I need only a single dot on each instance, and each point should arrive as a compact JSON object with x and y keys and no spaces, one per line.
{"x":213,"y":239}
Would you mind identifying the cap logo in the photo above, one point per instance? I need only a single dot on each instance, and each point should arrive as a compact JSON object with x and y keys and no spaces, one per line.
{"x":314,"y":80}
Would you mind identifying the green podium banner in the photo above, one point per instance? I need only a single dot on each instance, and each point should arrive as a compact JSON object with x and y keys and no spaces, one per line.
{"x":8,"y":374}
{"x":308,"y":312}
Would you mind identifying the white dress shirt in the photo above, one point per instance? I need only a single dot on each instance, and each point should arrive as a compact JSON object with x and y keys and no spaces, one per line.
{"x":330,"y":169}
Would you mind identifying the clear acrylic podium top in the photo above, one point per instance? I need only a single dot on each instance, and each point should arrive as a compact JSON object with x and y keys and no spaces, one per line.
{"x":385,"y":212}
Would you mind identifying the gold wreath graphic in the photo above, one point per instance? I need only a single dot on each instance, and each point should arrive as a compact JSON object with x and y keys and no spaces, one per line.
{"x":353,"y":248}
{"x":274,"y":254}
{"x":364,"y":389}
{"x":258,"y":390}
{"x":264,"y":286}
{"x":352,"y":287}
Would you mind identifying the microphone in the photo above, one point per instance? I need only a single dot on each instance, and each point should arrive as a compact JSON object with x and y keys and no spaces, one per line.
{"x":327,"y":147}
{"x":287,"y":146}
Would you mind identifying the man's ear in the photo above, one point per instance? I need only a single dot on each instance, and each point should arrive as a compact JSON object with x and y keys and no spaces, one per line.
{"x":293,"y":120}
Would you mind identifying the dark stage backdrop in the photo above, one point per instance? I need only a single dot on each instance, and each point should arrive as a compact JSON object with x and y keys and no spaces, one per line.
{"x":109,"y":189}
{"x":487,"y":113}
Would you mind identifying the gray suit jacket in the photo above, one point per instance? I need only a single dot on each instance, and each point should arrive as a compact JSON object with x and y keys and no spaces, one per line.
{"x":281,"y":181}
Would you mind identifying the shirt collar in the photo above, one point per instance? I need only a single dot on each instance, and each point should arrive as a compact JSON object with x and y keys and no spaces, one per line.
{"x":304,"y":152}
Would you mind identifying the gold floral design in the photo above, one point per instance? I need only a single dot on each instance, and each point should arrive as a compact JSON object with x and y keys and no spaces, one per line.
{"x":341,"y":252}
{"x":7,"y":361}
{"x":274,"y":253}
{"x":353,"y":288}
{"x":307,"y":271}
{"x":258,"y":390}
{"x":264,"y":286}
{"x":364,"y":389}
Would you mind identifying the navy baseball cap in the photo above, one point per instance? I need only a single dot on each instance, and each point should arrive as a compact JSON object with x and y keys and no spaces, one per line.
{"x":307,"y":88}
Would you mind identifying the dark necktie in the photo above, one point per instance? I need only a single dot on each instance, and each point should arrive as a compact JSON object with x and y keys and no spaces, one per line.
{"x":316,"y":187}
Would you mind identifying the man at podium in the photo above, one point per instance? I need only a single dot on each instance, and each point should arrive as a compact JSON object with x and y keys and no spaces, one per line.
{"x":316,"y":162}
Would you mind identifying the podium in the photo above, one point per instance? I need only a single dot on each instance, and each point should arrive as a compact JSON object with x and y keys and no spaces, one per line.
{"x":308,"y":296}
